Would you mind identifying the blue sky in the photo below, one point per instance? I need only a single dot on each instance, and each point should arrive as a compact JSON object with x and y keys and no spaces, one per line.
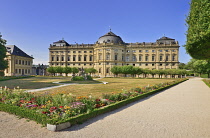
{"x":34,"y":25}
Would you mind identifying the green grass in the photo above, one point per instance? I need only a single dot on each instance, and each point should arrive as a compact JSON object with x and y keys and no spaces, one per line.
{"x":82,"y":82}
{"x":33,"y":83}
{"x":115,"y":85}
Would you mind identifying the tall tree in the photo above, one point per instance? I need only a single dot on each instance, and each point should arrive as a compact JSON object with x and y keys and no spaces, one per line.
{"x":116,"y":70}
{"x":198,"y":34}
{"x":74,"y":70}
{"x":3,"y":62}
{"x":66,"y":70}
{"x":51,"y":70}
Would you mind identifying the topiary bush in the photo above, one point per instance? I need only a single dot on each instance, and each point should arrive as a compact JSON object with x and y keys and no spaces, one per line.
{"x":78,"y":78}
{"x":89,"y":77}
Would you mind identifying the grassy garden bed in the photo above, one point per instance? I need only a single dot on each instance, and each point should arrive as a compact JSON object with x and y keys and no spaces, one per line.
{"x":207,"y":82}
{"x":60,"y":108}
{"x":13,"y":77}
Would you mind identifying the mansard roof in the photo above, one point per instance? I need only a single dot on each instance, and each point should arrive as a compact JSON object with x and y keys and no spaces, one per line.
{"x":14,"y":50}
{"x":61,"y":41}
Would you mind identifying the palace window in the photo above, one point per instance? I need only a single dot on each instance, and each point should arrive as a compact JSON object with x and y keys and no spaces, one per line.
{"x":153,"y":51}
{"x":140,"y":57}
{"x":29,"y":63}
{"x":85,"y":57}
{"x":115,"y":57}
{"x":99,"y":71}
{"x":79,"y":58}
{"x":161,"y":57}
{"x":74,"y":51}
{"x":146,"y":50}
{"x":19,"y":71}
{"x":153,"y":64}
{"x":134,"y":51}
{"x":153,"y":58}
{"x":20,"y":62}
{"x":128,"y":51}
{"x":127,"y":58}
{"x":26,"y":62}
{"x":107,"y":57}
{"x":23,"y":62}
{"x":167,"y":57}
{"x":107,"y":70}
{"x":79,"y":51}
{"x":68,"y":58}
{"x":122,"y":58}
{"x":62,"y":58}
{"x":160,"y":64}
{"x":161,"y":50}
{"x":173,"y":58}
{"x":85,"y":51}
{"x":91,"y":58}
{"x":140,"y":50}
{"x":100,"y":57}
{"x":146,"y":58}
{"x":134,"y":58}
{"x":146,"y":64}
{"x":91,"y":51}
{"x":74,"y":57}
{"x":57,"y":58}
{"x":166,"y":50}
{"x":16,"y":61}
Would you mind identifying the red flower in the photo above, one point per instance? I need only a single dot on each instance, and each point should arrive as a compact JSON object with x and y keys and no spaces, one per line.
{"x":97,"y":106}
{"x":60,"y":106}
{"x":44,"y":112}
{"x":22,"y":101}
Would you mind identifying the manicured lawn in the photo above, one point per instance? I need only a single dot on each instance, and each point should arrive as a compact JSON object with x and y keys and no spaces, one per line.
{"x":33,"y":83}
{"x":115,"y":85}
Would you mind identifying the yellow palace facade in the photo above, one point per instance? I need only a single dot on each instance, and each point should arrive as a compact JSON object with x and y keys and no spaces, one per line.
{"x":110,"y":50}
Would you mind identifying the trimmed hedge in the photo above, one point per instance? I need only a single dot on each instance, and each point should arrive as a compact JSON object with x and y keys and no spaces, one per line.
{"x":44,"y":120}
{"x":13,"y":77}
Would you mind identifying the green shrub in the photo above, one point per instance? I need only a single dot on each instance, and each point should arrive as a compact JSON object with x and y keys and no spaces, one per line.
{"x":78,"y":78}
{"x":89,"y":77}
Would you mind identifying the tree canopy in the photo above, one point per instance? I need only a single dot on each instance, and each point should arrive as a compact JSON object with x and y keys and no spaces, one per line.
{"x":3,"y":62}
{"x":198,"y":33}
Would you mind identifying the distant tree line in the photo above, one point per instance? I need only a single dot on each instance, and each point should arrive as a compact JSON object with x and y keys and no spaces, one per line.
{"x":197,"y":66}
{"x":67,"y":70}
{"x":136,"y":71}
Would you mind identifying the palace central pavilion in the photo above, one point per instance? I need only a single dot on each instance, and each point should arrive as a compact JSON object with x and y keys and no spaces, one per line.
{"x":110,"y":50}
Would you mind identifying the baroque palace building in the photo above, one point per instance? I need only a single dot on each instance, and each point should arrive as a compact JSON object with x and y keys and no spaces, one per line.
{"x":19,"y":63}
{"x":110,"y":50}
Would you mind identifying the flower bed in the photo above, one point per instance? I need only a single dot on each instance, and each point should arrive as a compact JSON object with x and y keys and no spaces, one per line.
{"x":60,"y":108}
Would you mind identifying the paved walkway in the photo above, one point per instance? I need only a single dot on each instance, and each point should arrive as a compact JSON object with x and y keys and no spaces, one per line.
{"x":182,"y":111}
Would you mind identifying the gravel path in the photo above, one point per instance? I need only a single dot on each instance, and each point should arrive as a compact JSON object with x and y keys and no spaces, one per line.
{"x":181,"y":111}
